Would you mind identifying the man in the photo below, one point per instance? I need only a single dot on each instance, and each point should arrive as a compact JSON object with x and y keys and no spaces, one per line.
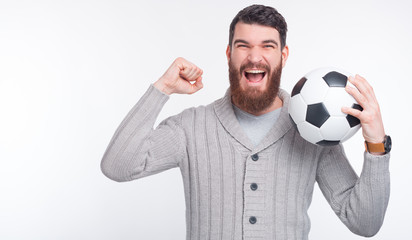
{"x":247,"y":173}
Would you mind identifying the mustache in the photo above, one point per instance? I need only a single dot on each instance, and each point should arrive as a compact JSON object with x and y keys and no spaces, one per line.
{"x":255,"y":65}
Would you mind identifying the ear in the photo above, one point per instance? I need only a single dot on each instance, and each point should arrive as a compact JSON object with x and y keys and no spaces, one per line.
{"x":285,"y":55}
{"x":228,"y":53}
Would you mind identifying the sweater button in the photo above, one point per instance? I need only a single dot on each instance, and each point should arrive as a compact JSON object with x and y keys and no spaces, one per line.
{"x":255,"y":157}
{"x":254,"y":186}
{"x":252,"y":220}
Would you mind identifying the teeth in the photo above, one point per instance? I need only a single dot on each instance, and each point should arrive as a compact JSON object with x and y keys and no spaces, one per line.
{"x":255,"y":71}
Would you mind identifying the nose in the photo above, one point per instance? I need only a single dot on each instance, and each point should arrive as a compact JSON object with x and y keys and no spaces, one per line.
{"x":255,"y":56}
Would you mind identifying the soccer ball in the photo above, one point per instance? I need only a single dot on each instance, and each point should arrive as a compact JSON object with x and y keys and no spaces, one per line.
{"x":315,"y":107}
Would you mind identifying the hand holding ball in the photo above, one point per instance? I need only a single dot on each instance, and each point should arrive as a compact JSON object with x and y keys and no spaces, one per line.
{"x":316,"y":103}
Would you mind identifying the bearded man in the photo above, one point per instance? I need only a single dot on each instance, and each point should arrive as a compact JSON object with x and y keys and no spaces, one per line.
{"x":247,"y":172}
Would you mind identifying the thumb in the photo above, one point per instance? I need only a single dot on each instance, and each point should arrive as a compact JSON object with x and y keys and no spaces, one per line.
{"x":196,"y":86}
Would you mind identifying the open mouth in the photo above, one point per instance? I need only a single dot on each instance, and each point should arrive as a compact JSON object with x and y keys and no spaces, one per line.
{"x":254,"y":75}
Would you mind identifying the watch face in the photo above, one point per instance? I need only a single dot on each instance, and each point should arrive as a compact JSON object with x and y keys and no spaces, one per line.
{"x":388,"y":143}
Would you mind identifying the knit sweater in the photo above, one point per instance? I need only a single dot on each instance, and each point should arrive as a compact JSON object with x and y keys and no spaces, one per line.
{"x":235,"y":190}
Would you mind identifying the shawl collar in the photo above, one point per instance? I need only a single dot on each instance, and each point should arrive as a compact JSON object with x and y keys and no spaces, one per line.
{"x":225,"y":113}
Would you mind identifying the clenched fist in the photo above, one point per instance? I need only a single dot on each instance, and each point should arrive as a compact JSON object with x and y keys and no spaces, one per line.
{"x":181,"y":77}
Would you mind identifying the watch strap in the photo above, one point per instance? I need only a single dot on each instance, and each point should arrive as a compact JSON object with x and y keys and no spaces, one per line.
{"x":375,"y":147}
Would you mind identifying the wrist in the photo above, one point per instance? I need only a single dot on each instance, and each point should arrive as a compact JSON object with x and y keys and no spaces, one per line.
{"x":162,"y":87}
{"x":375,"y":140}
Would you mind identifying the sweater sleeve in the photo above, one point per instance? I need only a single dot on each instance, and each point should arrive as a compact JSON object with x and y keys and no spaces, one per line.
{"x":359,"y":202}
{"x":137,"y":150}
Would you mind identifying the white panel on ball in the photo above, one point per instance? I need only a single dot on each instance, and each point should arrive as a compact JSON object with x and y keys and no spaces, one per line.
{"x":299,"y":108}
{"x":309,"y":132}
{"x":350,"y":133}
{"x":335,"y":128}
{"x":336,"y":99}
{"x":313,"y":85}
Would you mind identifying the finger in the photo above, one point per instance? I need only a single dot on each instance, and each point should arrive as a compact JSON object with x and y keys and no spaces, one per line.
{"x":352,"y":111}
{"x":354,"y":92}
{"x":191,"y":73}
{"x":184,"y":66}
{"x":363,"y":86}
{"x":196,"y":73}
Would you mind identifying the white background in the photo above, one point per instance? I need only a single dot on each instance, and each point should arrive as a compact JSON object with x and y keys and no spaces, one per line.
{"x":71,"y":70}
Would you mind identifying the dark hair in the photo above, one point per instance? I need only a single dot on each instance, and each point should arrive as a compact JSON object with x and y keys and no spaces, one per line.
{"x":261,"y":15}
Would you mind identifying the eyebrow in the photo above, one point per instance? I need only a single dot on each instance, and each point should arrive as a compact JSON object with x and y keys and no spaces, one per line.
{"x":246,"y":42}
{"x":240,"y":41}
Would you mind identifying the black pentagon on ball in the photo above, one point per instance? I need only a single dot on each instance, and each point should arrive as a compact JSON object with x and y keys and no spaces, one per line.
{"x":298,"y":87}
{"x":335,"y":79}
{"x":327,"y":143}
{"x":354,"y":121}
{"x":317,"y":114}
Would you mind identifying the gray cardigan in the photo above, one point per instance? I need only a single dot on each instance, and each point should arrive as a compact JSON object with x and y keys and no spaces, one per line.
{"x":235,"y":190}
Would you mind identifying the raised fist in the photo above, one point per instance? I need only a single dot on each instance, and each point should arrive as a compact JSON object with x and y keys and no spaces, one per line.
{"x":181,"y":77}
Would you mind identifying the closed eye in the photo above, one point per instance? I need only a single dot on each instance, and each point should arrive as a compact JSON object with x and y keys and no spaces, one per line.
{"x":270,"y":43}
{"x":269,"y":46}
{"x":240,"y":43}
{"x":242,"y":46}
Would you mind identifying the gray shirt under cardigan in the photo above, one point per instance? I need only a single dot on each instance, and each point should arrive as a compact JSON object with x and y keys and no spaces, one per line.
{"x":235,"y":190}
{"x":256,"y":127}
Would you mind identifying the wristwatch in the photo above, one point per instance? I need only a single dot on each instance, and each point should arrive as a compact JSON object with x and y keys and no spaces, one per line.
{"x":383,"y":147}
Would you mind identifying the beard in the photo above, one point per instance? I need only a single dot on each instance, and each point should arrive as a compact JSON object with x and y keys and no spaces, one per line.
{"x":251,"y":99}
